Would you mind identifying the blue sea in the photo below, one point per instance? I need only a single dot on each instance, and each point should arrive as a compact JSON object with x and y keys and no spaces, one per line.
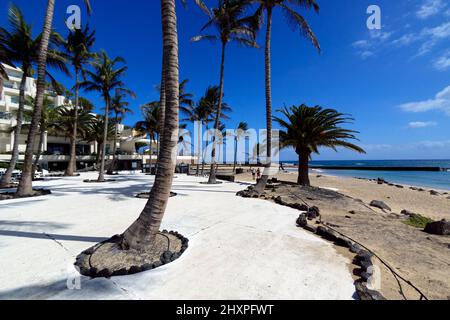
{"x":438,"y":180}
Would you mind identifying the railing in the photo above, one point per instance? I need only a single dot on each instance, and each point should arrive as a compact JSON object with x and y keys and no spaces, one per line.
{"x":5,"y":116}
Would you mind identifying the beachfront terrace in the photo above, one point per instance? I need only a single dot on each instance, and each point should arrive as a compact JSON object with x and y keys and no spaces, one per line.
{"x":238,"y":248}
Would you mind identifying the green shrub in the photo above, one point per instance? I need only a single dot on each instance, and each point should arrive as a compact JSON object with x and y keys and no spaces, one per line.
{"x":5,"y":165}
{"x":418,"y":221}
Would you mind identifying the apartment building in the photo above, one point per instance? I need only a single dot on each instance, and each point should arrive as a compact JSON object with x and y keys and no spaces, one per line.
{"x":56,"y":149}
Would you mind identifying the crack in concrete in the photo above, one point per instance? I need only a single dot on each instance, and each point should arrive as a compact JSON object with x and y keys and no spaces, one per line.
{"x":59,"y":243}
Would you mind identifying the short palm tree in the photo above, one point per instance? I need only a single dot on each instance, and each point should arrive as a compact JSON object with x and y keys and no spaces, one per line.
{"x":20,"y":48}
{"x":309,"y":128}
{"x":241,"y":132}
{"x":231,"y":24}
{"x":94,"y":133}
{"x":106,"y":77}
{"x":78,"y":47}
{"x":25,"y":185}
{"x":297,"y":22}
{"x":65,"y":120}
{"x":120,"y":110}
{"x":150,"y":125}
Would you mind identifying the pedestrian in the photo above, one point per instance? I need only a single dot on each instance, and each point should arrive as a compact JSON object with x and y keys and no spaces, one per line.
{"x":258,"y":174}
{"x":253,"y":173}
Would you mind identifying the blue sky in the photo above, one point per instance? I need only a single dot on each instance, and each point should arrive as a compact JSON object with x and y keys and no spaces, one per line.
{"x":394,"y":81}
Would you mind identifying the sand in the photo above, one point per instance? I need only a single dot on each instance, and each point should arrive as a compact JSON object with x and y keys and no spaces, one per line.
{"x":435,"y":207}
{"x":420,"y":258}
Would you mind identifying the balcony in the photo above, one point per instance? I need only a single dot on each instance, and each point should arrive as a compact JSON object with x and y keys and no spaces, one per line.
{"x":5,"y":115}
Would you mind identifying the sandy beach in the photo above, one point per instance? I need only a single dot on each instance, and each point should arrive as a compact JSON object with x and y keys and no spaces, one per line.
{"x":433,"y":206}
{"x":420,"y":258}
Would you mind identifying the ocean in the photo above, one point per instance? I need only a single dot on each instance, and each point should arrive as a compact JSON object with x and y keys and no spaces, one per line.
{"x":438,"y":180}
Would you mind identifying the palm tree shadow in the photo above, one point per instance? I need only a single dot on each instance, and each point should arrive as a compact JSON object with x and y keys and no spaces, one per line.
{"x":95,"y":288}
{"x":50,"y":236}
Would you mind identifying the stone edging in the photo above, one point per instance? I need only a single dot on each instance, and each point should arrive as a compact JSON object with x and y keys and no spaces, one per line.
{"x":165,"y":258}
{"x":363,"y":258}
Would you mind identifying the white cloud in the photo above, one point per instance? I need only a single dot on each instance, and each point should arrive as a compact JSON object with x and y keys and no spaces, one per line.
{"x":443,"y":62}
{"x":441,"y":102}
{"x":368,"y":47}
{"x":429,"y":37}
{"x":430,"y":8}
{"x":421,"y":124}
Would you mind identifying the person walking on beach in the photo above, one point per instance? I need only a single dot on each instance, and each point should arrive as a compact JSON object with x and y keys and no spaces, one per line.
{"x":253,"y":173}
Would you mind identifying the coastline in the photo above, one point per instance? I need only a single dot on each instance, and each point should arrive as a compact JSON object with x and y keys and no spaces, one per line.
{"x":436,"y":207}
{"x":344,"y":204}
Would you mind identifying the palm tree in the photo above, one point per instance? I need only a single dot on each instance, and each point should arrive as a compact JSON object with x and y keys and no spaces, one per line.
{"x":25,"y":186}
{"x":47,"y":118}
{"x":78,"y":46}
{"x":221,"y":137}
{"x":19,"y":46}
{"x":210,"y":102}
{"x":66,"y":118}
{"x":141,"y":234}
{"x":241,"y":132}
{"x":297,"y":22}
{"x":151,"y":125}
{"x":120,"y":109}
{"x":231,"y":25}
{"x":200,"y":115}
{"x":309,"y":128}
{"x":94,"y":133}
{"x":105,"y":78}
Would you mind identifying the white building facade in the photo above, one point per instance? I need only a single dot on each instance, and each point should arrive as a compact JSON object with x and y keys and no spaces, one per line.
{"x":56,"y":149}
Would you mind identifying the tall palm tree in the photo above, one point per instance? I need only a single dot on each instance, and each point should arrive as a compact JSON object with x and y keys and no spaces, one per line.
{"x":78,"y":46}
{"x":48,"y":116}
{"x":141,"y":234}
{"x":20,"y":48}
{"x":309,"y":128}
{"x":105,"y":78}
{"x":241,"y":131}
{"x":150,"y":125}
{"x":297,"y":22}
{"x":25,"y":185}
{"x":199,"y":114}
{"x":210,"y":102}
{"x":231,"y":25}
{"x":120,"y":109}
{"x":221,"y":138}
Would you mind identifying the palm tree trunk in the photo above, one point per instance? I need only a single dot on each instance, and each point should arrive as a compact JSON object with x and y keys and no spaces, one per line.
{"x":25,"y":185}
{"x":303,"y":169}
{"x":235,"y":154}
{"x":212,"y":174}
{"x":199,"y":147}
{"x":150,"y":151}
{"x":7,"y":177}
{"x":113,"y":166}
{"x":142,"y":232}
{"x":101,"y":175}
{"x":162,"y":97}
{"x":39,"y":150}
{"x":261,"y":185}
{"x":99,"y":153}
{"x":206,"y":147}
{"x":72,"y":166}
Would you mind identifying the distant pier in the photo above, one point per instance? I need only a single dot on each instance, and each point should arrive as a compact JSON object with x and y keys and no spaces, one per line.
{"x":371,"y":168}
